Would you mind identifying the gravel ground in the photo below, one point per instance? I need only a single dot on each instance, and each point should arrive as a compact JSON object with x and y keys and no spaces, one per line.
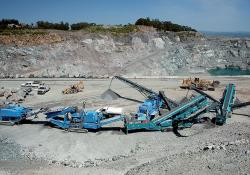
{"x":13,"y":159}
{"x":36,"y":148}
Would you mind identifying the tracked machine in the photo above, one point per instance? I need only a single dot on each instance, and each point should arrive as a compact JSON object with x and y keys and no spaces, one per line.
{"x":74,"y":120}
{"x":178,"y":115}
{"x":71,"y":119}
{"x":186,"y":114}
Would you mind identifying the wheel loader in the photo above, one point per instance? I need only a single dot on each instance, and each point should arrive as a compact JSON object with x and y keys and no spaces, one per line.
{"x":202,"y":84}
{"x":75,"y":88}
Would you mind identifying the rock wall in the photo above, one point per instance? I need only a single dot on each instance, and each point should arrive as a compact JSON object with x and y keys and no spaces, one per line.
{"x":149,"y":53}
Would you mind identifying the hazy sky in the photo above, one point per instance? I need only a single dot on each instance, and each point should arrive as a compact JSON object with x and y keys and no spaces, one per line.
{"x":210,"y":15}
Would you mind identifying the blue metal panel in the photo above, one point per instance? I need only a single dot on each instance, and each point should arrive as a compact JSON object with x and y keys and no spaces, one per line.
{"x":91,"y":125}
{"x":60,"y":112}
{"x":92,"y":117}
{"x":151,"y":106}
{"x":60,"y":123}
{"x":14,"y":113}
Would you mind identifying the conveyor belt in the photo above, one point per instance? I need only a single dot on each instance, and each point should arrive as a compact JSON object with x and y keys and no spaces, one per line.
{"x":203,"y":93}
{"x":145,"y":91}
{"x":169,"y":103}
{"x":178,"y":109}
{"x":228,"y":97}
{"x":240,"y":105}
{"x":111,"y":120}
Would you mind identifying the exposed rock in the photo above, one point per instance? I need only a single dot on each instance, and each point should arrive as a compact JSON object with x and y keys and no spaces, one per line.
{"x":3,"y":102}
{"x":234,"y":53}
{"x":177,"y":39}
{"x":137,"y":43}
{"x":248,"y":44}
{"x":104,"y":45}
{"x":7,"y":93}
{"x":87,"y":41}
{"x":147,"y":53}
{"x":16,"y":98}
{"x":2,"y":91}
{"x":158,"y":43}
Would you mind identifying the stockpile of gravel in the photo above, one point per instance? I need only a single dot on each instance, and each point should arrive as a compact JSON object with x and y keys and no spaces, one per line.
{"x":109,"y":95}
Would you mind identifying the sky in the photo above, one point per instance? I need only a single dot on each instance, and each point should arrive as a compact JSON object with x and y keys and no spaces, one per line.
{"x":203,"y":15}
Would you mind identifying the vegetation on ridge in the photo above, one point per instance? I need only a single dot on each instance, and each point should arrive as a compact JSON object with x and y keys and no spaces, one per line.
{"x":13,"y":26}
{"x":163,"y":25}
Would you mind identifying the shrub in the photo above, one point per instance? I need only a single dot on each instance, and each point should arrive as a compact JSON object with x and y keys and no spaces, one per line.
{"x":48,"y":25}
{"x":81,"y":25}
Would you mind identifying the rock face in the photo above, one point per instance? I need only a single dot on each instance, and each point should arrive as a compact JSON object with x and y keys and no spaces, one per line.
{"x":79,"y":54}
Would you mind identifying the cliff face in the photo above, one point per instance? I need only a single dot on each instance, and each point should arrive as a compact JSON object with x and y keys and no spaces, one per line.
{"x":147,"y":53}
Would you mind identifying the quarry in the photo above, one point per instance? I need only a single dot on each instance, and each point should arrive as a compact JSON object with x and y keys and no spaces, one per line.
{"x":156,"y":63}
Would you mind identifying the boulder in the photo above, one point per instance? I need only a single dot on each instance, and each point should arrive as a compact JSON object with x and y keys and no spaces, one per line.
{"x":21,"y":93}
{"x":137,"y":43}
{"x":16,"y":98}
{"x":248,"y":44}
{"x":3,"y":102}
{"x":7,"y":93}
{"x":234,"y":53}
{"x":87,"y":41}
{"x":177,"y":39}
{"x":2,"y":91}
{"x":14,"y":90}
{"x":158,"y":43}
{"x":105,"y":45}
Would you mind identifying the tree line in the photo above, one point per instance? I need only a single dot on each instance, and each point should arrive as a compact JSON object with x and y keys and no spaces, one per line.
{"x":49,"y":25}
{"x":159,"y":25}
{"x":5,"y":22}
{"x":163,"y":25}
{"x":14,"y":24}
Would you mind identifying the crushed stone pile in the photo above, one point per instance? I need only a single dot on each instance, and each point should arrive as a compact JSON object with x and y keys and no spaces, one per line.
{"x":109,"y":95}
